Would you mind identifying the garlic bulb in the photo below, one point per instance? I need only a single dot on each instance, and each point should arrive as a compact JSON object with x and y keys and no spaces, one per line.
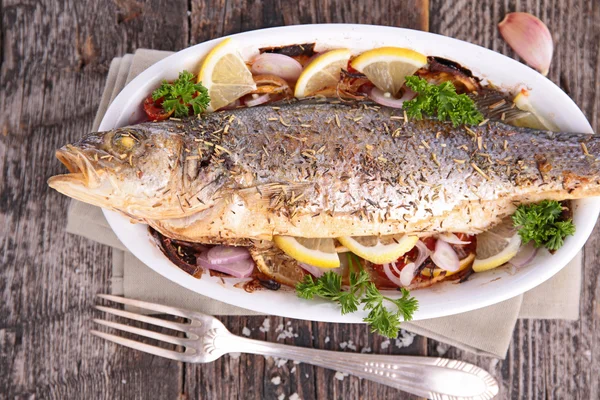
{"x":529,"y":38}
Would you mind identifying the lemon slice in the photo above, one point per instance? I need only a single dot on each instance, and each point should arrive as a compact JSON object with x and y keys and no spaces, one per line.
{"x":532,"y":120}
{"x":323,"y":71}
{"x":496,"y":246}
{"x":464,"y":263}
{"x":379,"y":250}
{"x":317,"y":252}
{"x":225,"y":74}
{"x":388,"y":67}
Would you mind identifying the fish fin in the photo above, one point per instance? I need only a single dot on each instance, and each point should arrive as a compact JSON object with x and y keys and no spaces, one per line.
{"x":493,"y":104}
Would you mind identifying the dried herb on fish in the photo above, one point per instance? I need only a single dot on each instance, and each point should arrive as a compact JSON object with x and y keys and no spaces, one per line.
{"x":441,"y":101}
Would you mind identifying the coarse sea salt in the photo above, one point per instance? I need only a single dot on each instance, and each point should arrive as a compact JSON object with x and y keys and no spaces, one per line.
{"x":266,"y":326}
{"x":340,"y":375}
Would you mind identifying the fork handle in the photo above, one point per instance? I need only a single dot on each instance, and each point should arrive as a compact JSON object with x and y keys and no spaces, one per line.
{"x":434,"y":378}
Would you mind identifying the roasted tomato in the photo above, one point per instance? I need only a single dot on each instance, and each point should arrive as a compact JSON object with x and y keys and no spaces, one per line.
{"x":154,"y":110}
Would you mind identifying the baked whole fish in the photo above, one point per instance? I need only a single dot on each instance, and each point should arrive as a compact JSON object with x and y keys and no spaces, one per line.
{"x":323,"y":170}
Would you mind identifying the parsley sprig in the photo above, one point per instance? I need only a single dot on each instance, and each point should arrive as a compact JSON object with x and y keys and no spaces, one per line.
{"x":179,"y":95}
{"x":542,"y":223}
{"x":441,"y":101}
{"x":360,"y":291}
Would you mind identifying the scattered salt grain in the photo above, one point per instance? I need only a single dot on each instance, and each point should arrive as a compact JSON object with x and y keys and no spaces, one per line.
{"x":327,"y":339}
{"x":276,"y":380}
{"x":441,"y":349}
{"x":294,"y":396}
{"x":280,"y":362}
{"x":385,"y":344}
{"x":289,"y":333}
{"x":306,"y":375}
{"x":124,"y":381}
{"x":405,"y":339}
{"x":245,"y":331}
{"x":340,"y":375}
{"x":266,"y":326}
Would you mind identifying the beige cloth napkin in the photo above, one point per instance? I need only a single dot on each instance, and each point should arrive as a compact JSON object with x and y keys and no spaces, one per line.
{"x":487,"y":331}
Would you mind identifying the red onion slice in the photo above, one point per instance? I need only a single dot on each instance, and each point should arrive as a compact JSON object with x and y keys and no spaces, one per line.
{"x":451,"y":238}
{"x":276,"y":64}
{"x":226,"y":254}
{"x":318,"y":272}
{"x":407,"y":274}
{"x":424,"y":253}
{"x":315,"y":271}
{"x":525,"y":255}
{"x":239,"y":269}
{"x":445,"y":257}
{"x":262,"y":99}
{"x":379,"y":97}
{"x":388,"y":272}
{"x":231,"y":106}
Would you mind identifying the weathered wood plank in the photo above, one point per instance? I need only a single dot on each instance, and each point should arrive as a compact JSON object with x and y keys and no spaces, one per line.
{"x":54,"y":59}
{"x":546,"y":359}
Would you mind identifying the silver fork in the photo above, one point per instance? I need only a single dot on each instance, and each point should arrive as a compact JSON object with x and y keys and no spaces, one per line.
{"x":207,"y":339}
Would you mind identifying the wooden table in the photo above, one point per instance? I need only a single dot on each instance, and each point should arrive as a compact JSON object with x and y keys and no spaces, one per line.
{"x":54,"y":60}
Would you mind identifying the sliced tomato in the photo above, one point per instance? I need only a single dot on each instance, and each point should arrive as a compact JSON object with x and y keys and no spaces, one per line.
{"x":154,"y":110}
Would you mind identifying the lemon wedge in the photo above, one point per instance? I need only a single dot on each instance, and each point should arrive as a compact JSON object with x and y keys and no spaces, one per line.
{"x":323,"y":71}
{"x":388,"y":67}
{"x":225,"y":74}
{"x":532,"y":120}
{"x":379,"y":250}
{"x":496,"y":246}
{"x":317,"y":252}
{"x":464,"y":263}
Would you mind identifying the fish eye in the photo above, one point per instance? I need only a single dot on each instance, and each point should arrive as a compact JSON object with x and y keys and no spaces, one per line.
{"x":123,"y":142}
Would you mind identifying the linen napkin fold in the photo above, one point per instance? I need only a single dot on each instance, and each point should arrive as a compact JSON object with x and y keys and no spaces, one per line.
{"x":487,"y":331}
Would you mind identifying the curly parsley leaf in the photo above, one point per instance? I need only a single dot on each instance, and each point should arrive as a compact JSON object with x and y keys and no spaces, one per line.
{"x":360,"y":291}
{"x":541,"y":223}
{"x":182,"y":94}
{"x":441,"y":101}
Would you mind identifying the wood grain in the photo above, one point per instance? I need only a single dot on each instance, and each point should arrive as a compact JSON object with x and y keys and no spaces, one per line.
{"x":54,"y":59}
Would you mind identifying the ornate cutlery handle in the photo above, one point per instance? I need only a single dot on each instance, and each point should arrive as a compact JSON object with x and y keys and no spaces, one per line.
{"x":433,"y":378}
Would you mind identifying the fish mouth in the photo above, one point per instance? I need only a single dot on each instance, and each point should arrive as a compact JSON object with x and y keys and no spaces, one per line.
{"x":79,"y":166}
{"x":81,"y":178}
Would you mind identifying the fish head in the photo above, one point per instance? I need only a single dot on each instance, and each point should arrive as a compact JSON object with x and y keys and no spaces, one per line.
{"x":127,"y":169}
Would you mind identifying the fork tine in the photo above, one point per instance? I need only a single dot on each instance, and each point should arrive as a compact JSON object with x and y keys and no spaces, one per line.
{"x":157,"y":351}
{"x":144,"y":332}
{"x":149,"y":306}
{"x":144,"y":318}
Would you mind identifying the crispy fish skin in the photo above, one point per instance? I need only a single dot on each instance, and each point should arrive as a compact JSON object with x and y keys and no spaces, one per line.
{"x":324,"y":170}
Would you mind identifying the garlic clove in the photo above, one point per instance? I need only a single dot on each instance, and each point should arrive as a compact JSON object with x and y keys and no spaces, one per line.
{"x":529,"y":38}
